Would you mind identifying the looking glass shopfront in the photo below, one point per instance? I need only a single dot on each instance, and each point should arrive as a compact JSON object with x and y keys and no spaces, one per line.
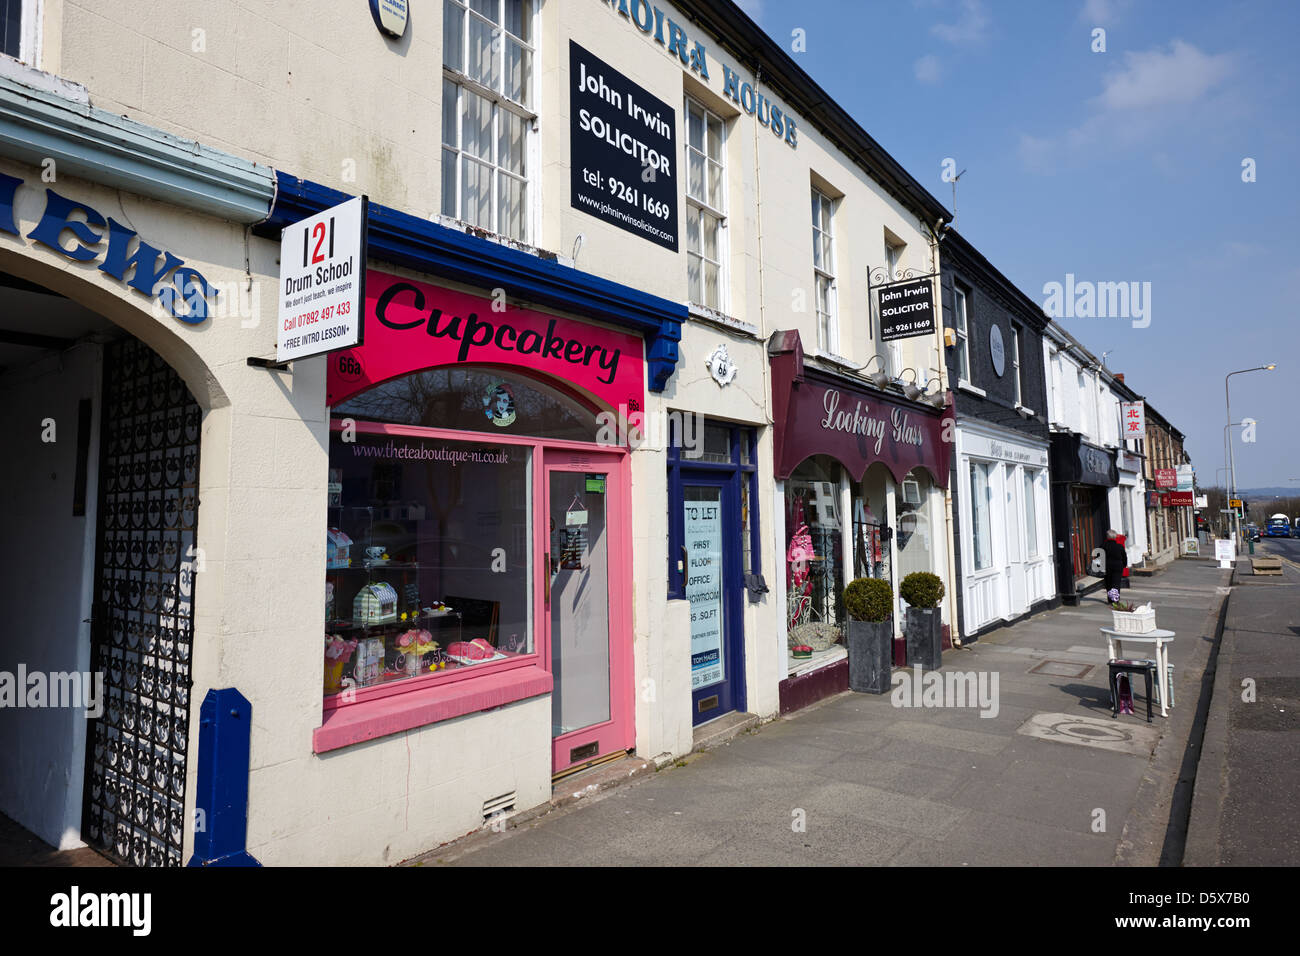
{"x":477,"y":526}
{"x":864,"y":475}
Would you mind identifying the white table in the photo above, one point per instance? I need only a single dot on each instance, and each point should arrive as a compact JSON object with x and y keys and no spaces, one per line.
{"x":1115,"y":641}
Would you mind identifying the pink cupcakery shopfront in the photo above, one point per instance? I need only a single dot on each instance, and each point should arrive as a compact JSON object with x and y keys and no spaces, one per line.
{"x":479,"y":546}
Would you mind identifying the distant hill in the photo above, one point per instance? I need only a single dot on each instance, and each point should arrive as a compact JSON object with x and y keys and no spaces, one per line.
{"x":1291,"y":491}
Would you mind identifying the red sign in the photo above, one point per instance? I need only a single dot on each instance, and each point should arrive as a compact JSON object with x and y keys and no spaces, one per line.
{"x":817,"y":413}
{"x":412,"y":325}
{"x":1166,"y":478}
{"x":1181,"y":499}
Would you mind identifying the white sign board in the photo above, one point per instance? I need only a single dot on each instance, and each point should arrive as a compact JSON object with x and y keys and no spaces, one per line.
{"x":703,"y":527}
{"x":391,"y":16}
{"x":1225,"y":551}
{"x":322,"y":282}
{"x":1133,"y":420}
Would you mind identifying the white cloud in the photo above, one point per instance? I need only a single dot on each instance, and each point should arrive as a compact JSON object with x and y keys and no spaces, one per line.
{"x":1149,"y":98}
{"x":1182,"y":74}
{"x":1102,"y":13}
{"x":970,"y":29}
{"x":929,"y":69}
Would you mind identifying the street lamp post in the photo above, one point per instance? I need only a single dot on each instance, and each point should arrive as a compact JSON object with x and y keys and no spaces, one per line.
{"x":1232,"y":458}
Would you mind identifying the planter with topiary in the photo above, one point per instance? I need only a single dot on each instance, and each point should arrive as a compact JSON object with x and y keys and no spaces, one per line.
{"x":869,"y":603}
{"x":923,"y":627}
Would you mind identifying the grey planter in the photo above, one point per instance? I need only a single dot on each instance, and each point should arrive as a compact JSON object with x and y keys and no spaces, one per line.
{"x":871,"y":652}
{"x":923,"y":632}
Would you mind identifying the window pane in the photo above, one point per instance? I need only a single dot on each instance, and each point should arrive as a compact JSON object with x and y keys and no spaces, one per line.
{"x":816,"y":211}
{"x":519,"y":19}
{"x":712,"y":297}
{"x":694,"y":127}
{"x":826,"y":215}
{"x":828,"y":253}
{"x":715,"y":139}
{"x":695,"y":175}
{"x":1031,"y":516}
{"x":476,"y":131}
{"x":486,"y":7}
{"x":476,"y":193}
{"x":510,"y":153}
{"x":510,"y":193}
{"x":692,"y":228}
{"x":695,"y":278}
{"x":817,"y":249}
{"x":980,"y":534}
{"x":450,"y":132}
{"x":715,"y":186}
{"x":484,"y":59}
{"x":519,"y":71}
{"x":453,"y":36}
{"x":963,"y":360}
{"x":709,"y":231}
{"x":449,"y":161}
{"x":717,"y":443}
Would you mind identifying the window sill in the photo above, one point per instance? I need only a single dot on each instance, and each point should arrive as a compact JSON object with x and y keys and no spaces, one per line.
{"x":460,"y":225}
{"x":968,"y":387}
{"x":357,"y":723}
{"x":714,"y":317}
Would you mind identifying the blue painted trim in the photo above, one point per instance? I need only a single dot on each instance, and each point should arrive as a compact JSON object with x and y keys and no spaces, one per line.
{"x":225,"y":721}
{"x":429,"y":247}
{"x":38,"y":125}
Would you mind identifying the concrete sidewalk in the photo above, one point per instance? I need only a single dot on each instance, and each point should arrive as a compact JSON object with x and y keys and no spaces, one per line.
{"x":1247,"y":806}
{"x":1050,"y":779}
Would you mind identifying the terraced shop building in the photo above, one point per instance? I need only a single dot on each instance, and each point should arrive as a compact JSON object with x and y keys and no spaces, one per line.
{"x":440,"y":566}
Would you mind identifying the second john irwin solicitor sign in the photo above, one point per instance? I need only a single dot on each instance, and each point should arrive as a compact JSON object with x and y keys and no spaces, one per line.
{"x":906,"y":309}
{"x":623,"y":150}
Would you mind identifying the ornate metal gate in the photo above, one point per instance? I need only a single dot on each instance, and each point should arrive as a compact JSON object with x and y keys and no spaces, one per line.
{"x":143,"y":610}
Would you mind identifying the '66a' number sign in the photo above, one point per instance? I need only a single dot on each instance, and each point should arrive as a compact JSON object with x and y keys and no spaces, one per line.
{"x":322,"y":282}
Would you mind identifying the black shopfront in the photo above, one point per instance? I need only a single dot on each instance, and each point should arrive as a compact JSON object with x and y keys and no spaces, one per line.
{"x":1082,"y":476}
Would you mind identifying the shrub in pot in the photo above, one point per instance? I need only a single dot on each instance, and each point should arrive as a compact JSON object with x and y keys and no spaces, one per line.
{"x":869,"y":603}
{"x":923,"y":627}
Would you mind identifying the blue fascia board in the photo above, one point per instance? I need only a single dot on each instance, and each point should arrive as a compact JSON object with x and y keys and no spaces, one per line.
{"x":429,"y":247}
{"x":38,"y":125}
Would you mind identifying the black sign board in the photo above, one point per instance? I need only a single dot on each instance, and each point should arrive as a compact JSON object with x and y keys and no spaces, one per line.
{"x":906,"y":309}
{"x":623,"y":151}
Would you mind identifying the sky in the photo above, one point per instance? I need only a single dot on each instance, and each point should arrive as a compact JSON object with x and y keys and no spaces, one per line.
{"x":1123,"y":164}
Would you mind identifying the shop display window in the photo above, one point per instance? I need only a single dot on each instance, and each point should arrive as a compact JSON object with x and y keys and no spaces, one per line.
{"x":916,"y":539}
{"x":981,"y":533}
{"x":872,"y":537}
{"x":429,"y":558}
{"x":814,"y":554}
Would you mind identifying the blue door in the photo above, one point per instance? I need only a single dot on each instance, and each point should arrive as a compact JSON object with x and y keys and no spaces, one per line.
{"x":707,"y":531}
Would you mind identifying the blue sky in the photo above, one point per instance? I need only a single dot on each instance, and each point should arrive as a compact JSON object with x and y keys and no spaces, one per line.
{"x":1122,"y":165}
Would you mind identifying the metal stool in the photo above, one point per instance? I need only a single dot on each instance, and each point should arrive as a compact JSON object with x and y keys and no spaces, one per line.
{"x":1117,"y":667}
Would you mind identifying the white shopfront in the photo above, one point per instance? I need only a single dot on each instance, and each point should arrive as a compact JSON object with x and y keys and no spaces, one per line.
{"x":1003,"y":502}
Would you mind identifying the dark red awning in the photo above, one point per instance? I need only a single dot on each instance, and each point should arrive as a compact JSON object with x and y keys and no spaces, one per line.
{"x":818,"y":413}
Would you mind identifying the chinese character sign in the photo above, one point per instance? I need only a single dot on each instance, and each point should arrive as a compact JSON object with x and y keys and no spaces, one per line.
{"x":1134,"y":419}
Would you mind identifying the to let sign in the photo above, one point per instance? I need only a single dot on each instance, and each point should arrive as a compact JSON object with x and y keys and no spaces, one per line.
{"x":322,"y":282}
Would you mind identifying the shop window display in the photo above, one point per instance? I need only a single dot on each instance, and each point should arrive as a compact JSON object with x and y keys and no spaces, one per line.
{"x":872,"y":536}
{"x":429,"y":564}
{"x":915,"y":538}
{"x":814,"y":554}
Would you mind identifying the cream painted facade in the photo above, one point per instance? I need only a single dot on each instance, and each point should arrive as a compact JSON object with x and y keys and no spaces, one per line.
{"x":323,"y":96}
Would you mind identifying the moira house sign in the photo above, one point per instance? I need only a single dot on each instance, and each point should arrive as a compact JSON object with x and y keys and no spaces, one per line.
{"x":180,"y":289}
{"x":652,"y":21}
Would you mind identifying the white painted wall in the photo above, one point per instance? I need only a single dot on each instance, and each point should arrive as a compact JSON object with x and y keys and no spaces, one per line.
{"x":47,"y":562}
